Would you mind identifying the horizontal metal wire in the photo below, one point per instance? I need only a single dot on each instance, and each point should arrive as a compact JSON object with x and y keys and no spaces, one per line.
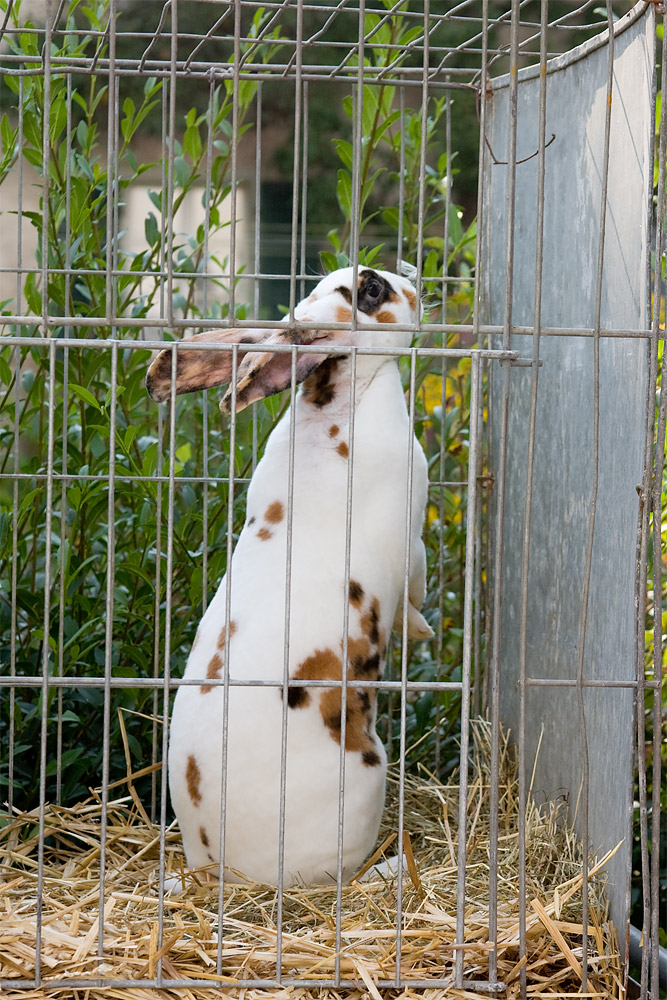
{"x":222,"y":982}
{"x":158,"y":683}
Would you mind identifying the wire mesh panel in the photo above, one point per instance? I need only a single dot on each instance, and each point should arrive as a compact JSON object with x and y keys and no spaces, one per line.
{"x":196,"y":166}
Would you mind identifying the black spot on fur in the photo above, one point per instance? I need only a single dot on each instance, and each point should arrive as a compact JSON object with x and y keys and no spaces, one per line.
{"x":346,"y":293}
{"x":297,"y":697}
{"x":370,"y":758}
{"x":356,"y":593}
{"x":320,"y":387}
{"x":247,"y":340}
{"x":369,"y":668}
{"x":251,"y":521}
{"x":364,"y":701}
{"x":374,"y":632}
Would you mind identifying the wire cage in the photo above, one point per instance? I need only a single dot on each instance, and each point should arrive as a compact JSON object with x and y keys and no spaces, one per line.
{"x":171,"y":168}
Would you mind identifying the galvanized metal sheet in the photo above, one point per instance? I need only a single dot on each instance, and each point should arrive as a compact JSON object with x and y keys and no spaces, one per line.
{"x":563,"y":476}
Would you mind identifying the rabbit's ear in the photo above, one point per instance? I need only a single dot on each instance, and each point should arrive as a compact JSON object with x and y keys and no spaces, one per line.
{"x":262,"y":375}
{"x":198,"y":369}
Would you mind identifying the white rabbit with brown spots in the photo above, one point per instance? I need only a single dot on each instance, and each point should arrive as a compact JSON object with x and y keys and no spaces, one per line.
{"x":250,"y":644}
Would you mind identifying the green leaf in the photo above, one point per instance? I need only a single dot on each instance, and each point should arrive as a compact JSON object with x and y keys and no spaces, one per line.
{"x":85,"y":394}
{"x":345,"y":152}
{"x":151,"y":229}
{"x":192,"y":142}
{"x":344,"y":192}
{"x":182,"y":172}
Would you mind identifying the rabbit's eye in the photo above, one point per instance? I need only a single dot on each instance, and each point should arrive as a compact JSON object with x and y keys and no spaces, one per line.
{"x":373,"y":289}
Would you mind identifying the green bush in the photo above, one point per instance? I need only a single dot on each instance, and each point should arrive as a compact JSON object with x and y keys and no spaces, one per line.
{"x":68,"y":621}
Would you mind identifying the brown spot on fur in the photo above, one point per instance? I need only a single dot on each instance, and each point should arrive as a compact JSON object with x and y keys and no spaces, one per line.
{"x":275,"y":512}
{"x":356,"y":593}
{"x":343,"y":314}
{"x":386,"y":316}
{"x":222,"y":638}
{"x":324,"y":664}
{"x":370,"y":622}
{"x":320,"y":387}
{"x":358,"y":734}
{"x":343,"y":450}
{"x":204,"y":836}
{"x":214,"y":669}
{"x":368,"y":668}
{"x":358,"y":651}
{"x":333,"y":430}
{"x":193,"y":779}
{"x":412,"y":299}
{"x":195,"y":640}
{"x":264,"y":534}
{"x":213,"y":672}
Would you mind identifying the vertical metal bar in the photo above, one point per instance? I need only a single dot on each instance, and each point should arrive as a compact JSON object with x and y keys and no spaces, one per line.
{"x":530,"y":465}
{"x":592,"y":510}
{"x":352,"y":363}
{"x":46,"y":163}
{"x":443,"y":423}
{"x":483,"y":153}
{"x":16,"y":463}
{"x":404,"y":668}
{"x":46,"y":167}
{"x":108,"y":639}
{"x":646,"y":509}
{"x":422,"y":149}
{"x":475,"y":380}
{"x":166,"y":679}
{"x":63,"y":556}
{"x":45,"y":663}
{"x":156,"y":612}
{"x":204,"y":395}
{"x":225,"y":656}
{"x":233,"y":158}
{"x":657,"y":485}
{"x":257,"y":251}
{"x":207,"y":192}
{"x":64,"y":541}
{"x":286,"y":654}
{"x":112,"y":120}
{"x":173,"y":59}
{"x":401,"y":183}
{"x":258,"y":220}
{"x":494,"y":677}
{"x":298,"y":111}
{"x":304,"y":190}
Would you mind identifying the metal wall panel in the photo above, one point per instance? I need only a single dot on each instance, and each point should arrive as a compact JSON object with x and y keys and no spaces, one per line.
{"x":562,"y":500}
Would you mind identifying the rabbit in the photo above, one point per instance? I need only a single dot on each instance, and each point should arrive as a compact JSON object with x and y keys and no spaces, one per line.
{"x":251,"y":643}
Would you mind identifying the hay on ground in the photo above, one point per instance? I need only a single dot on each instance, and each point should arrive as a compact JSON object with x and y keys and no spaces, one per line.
{"x":131,"y":947}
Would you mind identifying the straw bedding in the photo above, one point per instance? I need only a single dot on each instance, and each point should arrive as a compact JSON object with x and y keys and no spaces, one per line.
{"x":189,"y":949}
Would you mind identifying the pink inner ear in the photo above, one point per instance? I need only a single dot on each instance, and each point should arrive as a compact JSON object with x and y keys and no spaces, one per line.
{"x":266,"y":378}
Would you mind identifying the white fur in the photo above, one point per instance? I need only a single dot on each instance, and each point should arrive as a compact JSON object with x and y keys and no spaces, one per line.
{"x":318,"y":600}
